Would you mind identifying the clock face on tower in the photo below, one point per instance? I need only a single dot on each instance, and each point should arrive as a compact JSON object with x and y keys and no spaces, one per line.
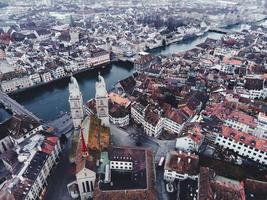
{"x":102,"y":111}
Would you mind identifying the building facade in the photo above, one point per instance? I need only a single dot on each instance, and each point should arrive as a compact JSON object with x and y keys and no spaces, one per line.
{"x":16,"y":83}
{"x":86,"y":179}
{"x":76,"y":103}
{"x":153,"y":123}
{"x":98,"y":57}
{"x":101,"y":98}
{"x":180,"y":166}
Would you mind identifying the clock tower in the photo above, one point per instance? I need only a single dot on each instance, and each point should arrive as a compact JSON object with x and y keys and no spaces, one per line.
{"x":101,"y":98}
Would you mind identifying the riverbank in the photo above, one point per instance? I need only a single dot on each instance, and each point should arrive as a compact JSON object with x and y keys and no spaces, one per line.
{"x":48,"y":101}
{"x":67,"y":76}
{"x":52,"y":99}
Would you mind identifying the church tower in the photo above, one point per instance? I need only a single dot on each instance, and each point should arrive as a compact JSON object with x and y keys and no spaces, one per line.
{"x":101,"y":98}
{"x":76,"y":103}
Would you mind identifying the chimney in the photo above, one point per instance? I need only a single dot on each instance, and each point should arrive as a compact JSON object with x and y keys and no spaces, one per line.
{"x":178,"y":160}
{"x":189,"y":160}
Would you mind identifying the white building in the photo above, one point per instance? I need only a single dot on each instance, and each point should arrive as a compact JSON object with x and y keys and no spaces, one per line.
{"x":180,"y":166}
{"x":35,"y":78}
{"x":16,"y":83}
{"x":120,"y":121}
{"x":186,"y":144}
{"x":262,"y":126}
{"x":85,"y":179}
{"x":101,"y":98}
{"x":243,"y":144}
{"x":39,"y":157}
{"x":59,"y":72}
{"x":46,"y":77}
{"x":172,"y":126}
{"x":98,"y":57}
{"x":121,"y":165}
{"x":152,"y":122}
{"x":76,"y":103}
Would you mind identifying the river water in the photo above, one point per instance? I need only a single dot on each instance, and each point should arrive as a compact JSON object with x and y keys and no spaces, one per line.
{"x":49,"y":101}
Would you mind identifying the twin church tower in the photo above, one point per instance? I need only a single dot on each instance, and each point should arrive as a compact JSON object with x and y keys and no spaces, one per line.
{"x":76,"y":102}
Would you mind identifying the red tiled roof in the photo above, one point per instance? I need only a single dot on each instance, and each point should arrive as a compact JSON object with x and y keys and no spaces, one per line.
{"x":244,"y":138}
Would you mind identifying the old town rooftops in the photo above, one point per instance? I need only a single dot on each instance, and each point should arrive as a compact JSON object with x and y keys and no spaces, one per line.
{"x":17,"y":189}
{"x":119,"y":99}
{"x":125,"y":154}
{"x":36,"y":165}
{"x":213,"y":186}
{"x":244,"y":138}
{"x":182,"y":162}
{"x":227,"y":111}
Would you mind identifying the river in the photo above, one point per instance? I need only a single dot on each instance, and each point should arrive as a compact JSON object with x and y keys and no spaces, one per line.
{"x":49,"y":101}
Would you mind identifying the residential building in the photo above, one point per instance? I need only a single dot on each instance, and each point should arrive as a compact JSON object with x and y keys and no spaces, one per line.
{"x":59,"y":72}
{"x":154,"y":122}
{"x":34,"y":161}
{"x":46,"y":77}
{"x":16,"y":83}
{"x":212,"y":186}
{"x":191,"y":138}
{"x":180,"y":166}
{"x":35,"y":78}
{"x":20,"y":127}
{"x":98,"y":57}
{"x":243,"y":144}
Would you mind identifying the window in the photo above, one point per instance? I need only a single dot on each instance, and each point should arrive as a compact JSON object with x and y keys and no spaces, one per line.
{"x":91,"y":184}
{"x":83,"y":187}
{"x":87,"y":186}
{"x":4,"y":146}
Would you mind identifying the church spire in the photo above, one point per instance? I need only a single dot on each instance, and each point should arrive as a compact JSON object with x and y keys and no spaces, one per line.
{"x":83,"y":145}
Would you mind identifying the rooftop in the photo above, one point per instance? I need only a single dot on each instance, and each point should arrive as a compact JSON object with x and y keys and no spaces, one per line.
{"x":118,"y":99}
{"x":182,"y":162}
{"x":35,"y":166}
{"x":213,"y":186}
{"x":244,"y":138}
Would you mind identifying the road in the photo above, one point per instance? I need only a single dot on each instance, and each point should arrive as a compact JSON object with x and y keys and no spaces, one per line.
{"x":15,"y":107}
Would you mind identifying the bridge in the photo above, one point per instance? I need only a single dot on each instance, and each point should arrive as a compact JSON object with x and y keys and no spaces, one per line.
{"x":15,"y":107}
{"x":220,"y":30}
